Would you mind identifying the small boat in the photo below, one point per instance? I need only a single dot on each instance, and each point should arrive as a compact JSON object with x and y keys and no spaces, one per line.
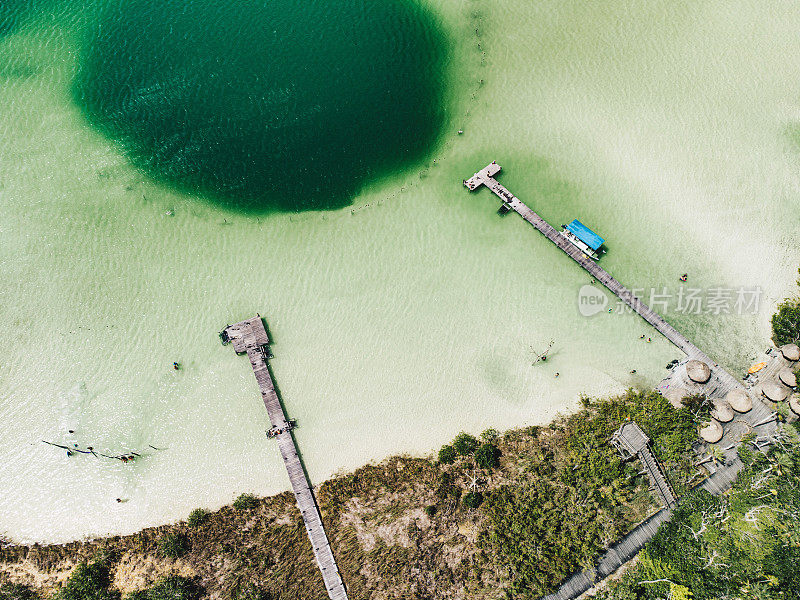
{"x":756,"y":368}
{"x":583,"y":238}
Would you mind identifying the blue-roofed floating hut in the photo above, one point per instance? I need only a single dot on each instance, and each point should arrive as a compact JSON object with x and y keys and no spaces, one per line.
{"x":584,"y":238}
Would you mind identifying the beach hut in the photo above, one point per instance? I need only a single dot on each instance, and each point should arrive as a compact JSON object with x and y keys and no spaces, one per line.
{"x":698,"y":371}
{"x":794,"y":404}
{"x":790,"y":352}
{"x":722,"y":411}
{"x":788,"y":378}
{"x":739,"y":400}
{"x":712,"y":432}
{"x":774,"y":392}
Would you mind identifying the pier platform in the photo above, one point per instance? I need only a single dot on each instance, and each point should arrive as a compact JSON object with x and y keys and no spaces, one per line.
{"x":250,"y":337}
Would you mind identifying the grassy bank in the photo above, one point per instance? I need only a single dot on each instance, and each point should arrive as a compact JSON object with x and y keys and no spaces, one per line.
{"x":502,"y":515}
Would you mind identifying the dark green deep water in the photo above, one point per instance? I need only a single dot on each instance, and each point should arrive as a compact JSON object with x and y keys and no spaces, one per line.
{"x":266,"y":104}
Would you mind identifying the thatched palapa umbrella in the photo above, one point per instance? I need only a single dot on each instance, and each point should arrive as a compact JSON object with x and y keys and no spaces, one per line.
{"x":773,"y":391}
{"x":698,"y":371}
{"x":790,"y":352}
{"x":739,"y":400}
{"x":712,"y":432}
{"x":794,"y":404}
{"x":675,"y":395}
{"x":788,"y":378}
{"x":722,"y":411}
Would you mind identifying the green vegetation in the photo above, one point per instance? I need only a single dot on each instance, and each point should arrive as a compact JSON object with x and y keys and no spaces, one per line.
{"x":786,"y":322}
{"x":89,"y":581}
{"x":17,"y":591}
{"x":473,"y":499}
{"x":447,"y":455}
{"x":172,"y":587}
{"x":490,"y":435}
{"x":574,"y":496}
{"x":744,"y":545}
{"x":465,"y":444}
{"x":174,"y":545}
{"x":197,"y":517}
{"x":487,"y":456}
{"x":245,"y":502}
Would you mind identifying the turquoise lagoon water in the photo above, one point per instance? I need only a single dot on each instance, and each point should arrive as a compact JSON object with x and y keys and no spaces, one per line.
{"x":411,"y":311}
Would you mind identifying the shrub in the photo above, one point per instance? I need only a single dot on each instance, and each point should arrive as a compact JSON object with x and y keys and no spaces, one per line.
{"x":89,"y":581}
{"x":197,"y":517}
{"x":173,"y":587}
{"x":245,"y":502}
{"x":786,"y":322}
{"x":465,"y":444}
{"x":486,"y":456}
{"x":490,"y":435}
{"x":473,"y":499}
{"x":447,"y":487}
{"x":430,"y":510}
{"x":17,"y":591}
{"x":447,"y":454}
{"x":174,"y":545}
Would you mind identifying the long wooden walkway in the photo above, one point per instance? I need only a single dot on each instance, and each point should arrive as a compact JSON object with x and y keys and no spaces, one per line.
{"x":486,"y":177}
{"x":251,"y":337}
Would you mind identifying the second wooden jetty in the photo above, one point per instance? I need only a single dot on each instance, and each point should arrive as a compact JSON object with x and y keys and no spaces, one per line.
{"x":486,"y":177}
{"x":250,"y":337}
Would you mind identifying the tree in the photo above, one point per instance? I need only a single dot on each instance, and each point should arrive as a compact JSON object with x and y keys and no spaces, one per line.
{"x":486,"y":456}
{"x":89,"y":581}
{"x":465,"y":444}
{"x":447,"y":454}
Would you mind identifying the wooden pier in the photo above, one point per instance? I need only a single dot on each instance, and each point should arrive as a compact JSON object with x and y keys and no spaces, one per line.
{"x":486,"y":177}
{"x":250,"y":337}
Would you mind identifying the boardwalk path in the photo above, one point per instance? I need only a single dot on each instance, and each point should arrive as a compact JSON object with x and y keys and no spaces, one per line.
{"x":631,"y":441}
{"x":250,"y":337}
{"x":721,"y":382}
{"x":486,"y":177}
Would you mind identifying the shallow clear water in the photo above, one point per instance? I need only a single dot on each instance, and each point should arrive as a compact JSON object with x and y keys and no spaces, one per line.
{"x":410,"y":315}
